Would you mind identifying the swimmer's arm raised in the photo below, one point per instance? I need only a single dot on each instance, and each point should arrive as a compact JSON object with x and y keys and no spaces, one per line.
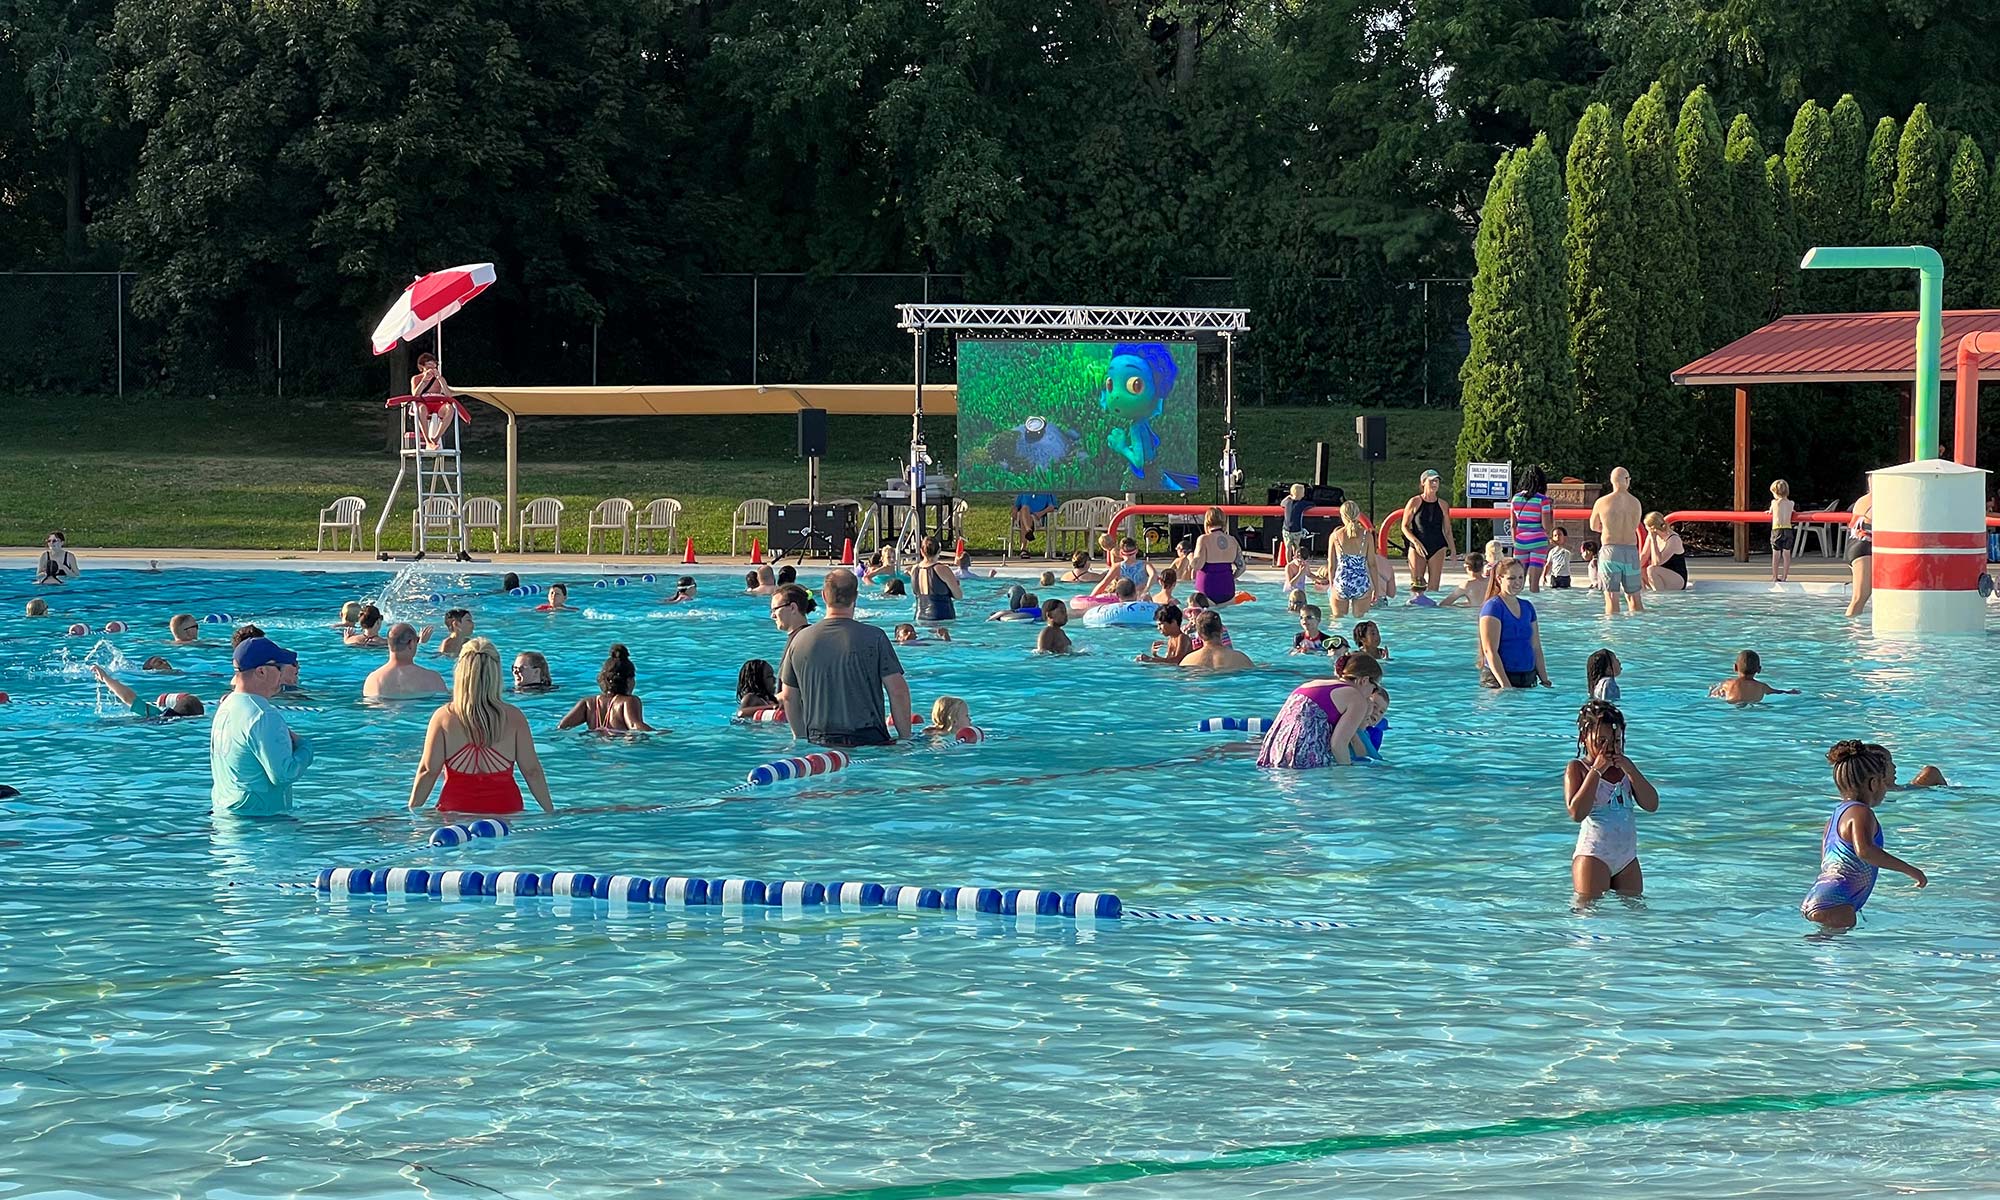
{"x":1643,"y":791}
{"x":430,"y":764}
{"x":125,"y":695}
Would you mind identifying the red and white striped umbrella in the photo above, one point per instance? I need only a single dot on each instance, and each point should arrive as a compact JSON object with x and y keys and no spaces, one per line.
{"x":428,"y":301}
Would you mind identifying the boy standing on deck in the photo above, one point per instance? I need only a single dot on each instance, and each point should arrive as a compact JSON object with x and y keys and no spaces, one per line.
{"x":1294,"y":506}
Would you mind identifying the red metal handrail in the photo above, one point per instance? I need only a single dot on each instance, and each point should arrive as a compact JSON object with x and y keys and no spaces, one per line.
{"x":1228,"y":510}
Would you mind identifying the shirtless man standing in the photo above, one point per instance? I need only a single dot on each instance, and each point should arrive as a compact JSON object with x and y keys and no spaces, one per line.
{"x":1615,"y":518}
{"x":400,"y":677}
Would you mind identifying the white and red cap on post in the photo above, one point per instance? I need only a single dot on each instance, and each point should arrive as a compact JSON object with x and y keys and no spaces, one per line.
{"x":428,"y":301}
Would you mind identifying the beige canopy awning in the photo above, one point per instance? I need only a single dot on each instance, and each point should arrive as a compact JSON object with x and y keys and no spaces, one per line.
{"x":697,"y":400}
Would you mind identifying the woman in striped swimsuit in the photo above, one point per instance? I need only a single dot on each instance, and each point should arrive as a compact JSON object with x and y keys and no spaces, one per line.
{"x":1533,"y":514}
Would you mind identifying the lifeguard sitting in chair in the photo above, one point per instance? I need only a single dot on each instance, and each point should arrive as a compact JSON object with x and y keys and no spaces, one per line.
{"x":436,"y":403}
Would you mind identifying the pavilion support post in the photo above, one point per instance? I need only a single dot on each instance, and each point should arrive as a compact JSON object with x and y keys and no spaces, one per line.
{"x":513,"y":478}
{"x":1742,"y":532}
{"x":1909,"y":442}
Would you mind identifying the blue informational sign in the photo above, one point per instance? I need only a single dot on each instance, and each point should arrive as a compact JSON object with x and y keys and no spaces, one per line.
{"x":1489,"y":481}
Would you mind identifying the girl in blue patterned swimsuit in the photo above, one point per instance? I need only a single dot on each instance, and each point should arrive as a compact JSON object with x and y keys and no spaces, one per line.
{"x":1851,"y":853}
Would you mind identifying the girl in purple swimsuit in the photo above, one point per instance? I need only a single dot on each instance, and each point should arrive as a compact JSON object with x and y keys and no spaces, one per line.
{"x":1322,"y":721}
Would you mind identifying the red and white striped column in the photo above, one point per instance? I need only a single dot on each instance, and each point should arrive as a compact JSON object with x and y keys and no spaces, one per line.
{"x":1930,"y":547}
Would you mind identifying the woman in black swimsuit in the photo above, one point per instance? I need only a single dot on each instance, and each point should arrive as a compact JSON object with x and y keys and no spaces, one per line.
{"x":936,"y":586}
{"x":1668,"y":571}
{"x":1427,"y":529}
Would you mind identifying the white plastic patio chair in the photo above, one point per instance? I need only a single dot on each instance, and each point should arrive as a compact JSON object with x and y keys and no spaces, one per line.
{"x":1073,"y":522}
{"x":543,"y":513}
{"x":437,"y":517}
{"x":752,"y":517}
{"x":1827,"y":533}
{"x":659,"y":516}
{"x":615,"y":513}
{"x":342,"y":516}
{"x":483,"y":512}
{"x":1102,"y":509}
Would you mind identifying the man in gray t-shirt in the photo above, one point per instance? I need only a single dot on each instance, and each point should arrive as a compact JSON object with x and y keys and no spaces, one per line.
{"x":834,"y":673}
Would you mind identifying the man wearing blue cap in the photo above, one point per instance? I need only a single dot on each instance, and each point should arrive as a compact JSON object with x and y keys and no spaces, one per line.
{"x":252,"y":754}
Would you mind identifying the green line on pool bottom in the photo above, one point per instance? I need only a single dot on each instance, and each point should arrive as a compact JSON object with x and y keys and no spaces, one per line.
{"x":1327,"y":1147}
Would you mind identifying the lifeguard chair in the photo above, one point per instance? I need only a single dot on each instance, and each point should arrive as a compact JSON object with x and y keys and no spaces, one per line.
{"x":428,"y":456}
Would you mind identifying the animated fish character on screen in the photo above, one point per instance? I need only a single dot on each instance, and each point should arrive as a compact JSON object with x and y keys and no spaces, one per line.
{"x":1135,"y":393}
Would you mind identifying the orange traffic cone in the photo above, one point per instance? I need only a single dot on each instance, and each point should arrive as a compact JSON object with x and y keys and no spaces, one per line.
{"x":1281,"y":555}
{"x":756,"y":552}
{"x":847,"y":553}
{"x":961,"y":546}
{"x":689,"y":556}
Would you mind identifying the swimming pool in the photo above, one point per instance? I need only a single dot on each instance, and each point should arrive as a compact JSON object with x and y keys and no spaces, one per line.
{"x":173,"y":1022}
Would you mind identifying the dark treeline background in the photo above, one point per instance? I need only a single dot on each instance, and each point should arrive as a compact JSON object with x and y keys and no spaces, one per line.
{"x":254,"y":161}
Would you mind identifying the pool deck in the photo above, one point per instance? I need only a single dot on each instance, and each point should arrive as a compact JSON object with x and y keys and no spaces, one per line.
{"x":1811,"y":574}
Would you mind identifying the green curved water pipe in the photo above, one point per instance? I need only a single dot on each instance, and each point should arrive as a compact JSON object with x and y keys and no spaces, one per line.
{"x":1930,"y":317}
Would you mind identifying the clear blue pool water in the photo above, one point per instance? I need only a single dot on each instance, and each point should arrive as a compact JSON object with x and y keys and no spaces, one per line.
{"x":174,"y":1022}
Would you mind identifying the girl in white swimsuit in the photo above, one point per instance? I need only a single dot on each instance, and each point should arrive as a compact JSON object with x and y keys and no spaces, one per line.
{"x":1603,"y":790}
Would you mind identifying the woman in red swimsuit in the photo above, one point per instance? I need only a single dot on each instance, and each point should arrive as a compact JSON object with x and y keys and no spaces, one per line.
{"x":476,"y":740}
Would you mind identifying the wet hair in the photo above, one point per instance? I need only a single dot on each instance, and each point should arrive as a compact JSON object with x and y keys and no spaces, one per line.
{"x":616,"y":676}
{"x":929,"y":547}
{"x":1475,"y":563}
{"x":757,"y":681}
{"x":1168,"y":613}
{"x":796,"y":596}
{"x":350,"y":612}
{"x":895,"y":588}
{"x":1855,"y":763}
{"x":1747,"y":663}
{"x":1169,"y":577}
{"x":1128,"y":544}
{"x":1534,"y":481}
{"x":1359,"y":666}
{"x":457,"y":614}
{"x":1053,"y":609}
{"x":1125,"y":589}
{"x":1363,"y":628}
{"x":1311,"y":610}
{"x":683,"y":583}
{"x":184,"y":704}
{"x":788,"y":574}
{"x":905,"y":628}
{"x":749,"y":579}
{"x":1199,"y":600}
{"x":1596,"y":667}
{"x":1048,"y":579}
{"x":156,"y":662}
{"x":243,"y":634}
{"x":1208,"y":626}
{"x":559,"y":587}
{"x":38,"y":607}
{"x":509,"y":582}
{"x":1031,"y":601}
{"x":1080,"y":560}
{"x":178,"y":620}
{"x":1591,"y":717}
{"x":371,"y":616}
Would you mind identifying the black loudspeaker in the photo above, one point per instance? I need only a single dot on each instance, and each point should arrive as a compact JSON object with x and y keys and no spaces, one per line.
{"x":812,"y":433}
{"x":1371,"y":437}
{"x":802,"y":531}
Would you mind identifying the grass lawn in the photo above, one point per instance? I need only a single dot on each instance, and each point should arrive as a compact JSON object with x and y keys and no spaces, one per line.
{"x":158,"y":470}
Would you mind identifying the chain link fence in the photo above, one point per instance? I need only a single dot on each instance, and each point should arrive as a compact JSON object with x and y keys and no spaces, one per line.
{"x":1312,"y":341}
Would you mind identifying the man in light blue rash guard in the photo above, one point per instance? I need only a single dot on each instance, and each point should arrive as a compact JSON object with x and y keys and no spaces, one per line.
{"x":253,"y":755}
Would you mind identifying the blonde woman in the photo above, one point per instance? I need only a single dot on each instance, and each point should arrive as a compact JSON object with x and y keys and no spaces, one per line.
{"x":477,"y":739}
{"x":1353,"y":583}
{"x":1214,"y":559}
{"x":1666,"y":568}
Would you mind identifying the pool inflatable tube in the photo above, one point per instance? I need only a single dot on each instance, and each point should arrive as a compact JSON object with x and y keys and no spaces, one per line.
{"x":1128,"y":612}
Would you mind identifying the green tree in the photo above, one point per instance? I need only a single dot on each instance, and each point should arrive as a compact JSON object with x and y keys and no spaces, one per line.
{"x":1968,"y":264}
{"x":1666,"y":332}
{"x":1602,"y":302}
{"x":1519,"y":386}
{"x":1847,"y":189}
{"x":1881,"y":170}
{"x":1753,"y":248}
{"x":1786,"y":244}
{"x":1704,"y":186}
{"x":1913,"y":213}
{"x":1817,"y":212}
{"x":1990,"y":295}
